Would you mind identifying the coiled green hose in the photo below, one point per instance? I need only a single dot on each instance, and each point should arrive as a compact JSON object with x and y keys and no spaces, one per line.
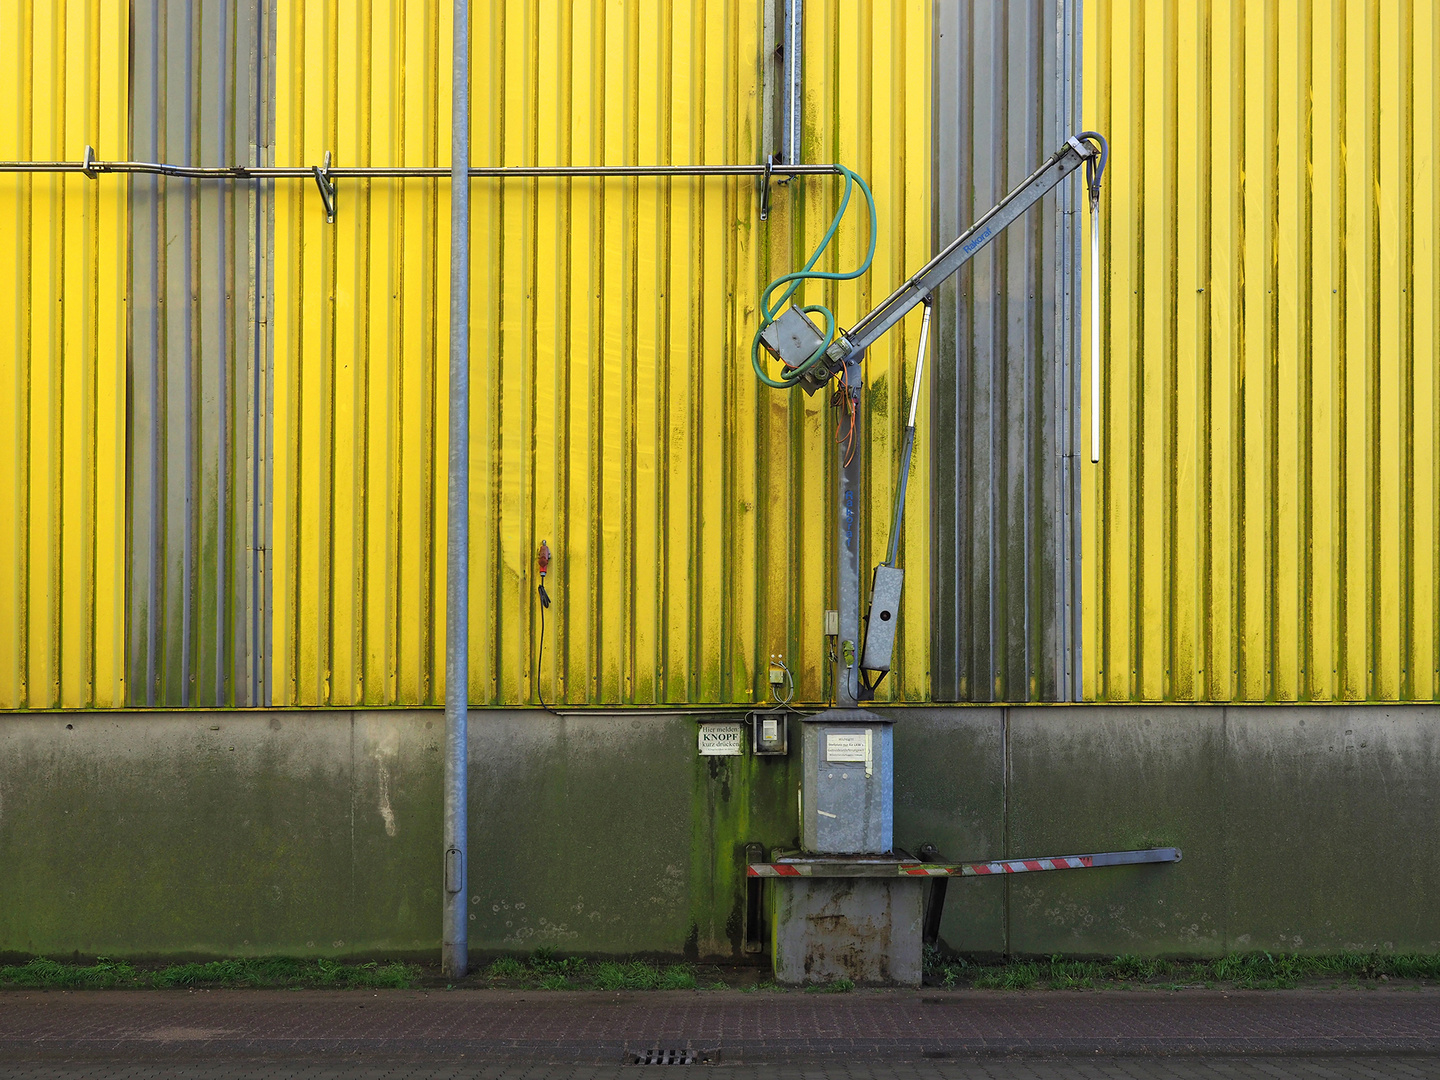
{"x":789,"y":377}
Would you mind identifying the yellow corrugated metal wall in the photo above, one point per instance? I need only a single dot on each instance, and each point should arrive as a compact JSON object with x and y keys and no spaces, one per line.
{"x":1263,"y":525}
{"x":62,"y":360}
{"x":614,"y":413}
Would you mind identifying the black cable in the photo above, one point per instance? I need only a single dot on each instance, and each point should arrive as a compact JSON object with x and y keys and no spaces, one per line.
{"x":1095,"y":170}
{"x":540,"y":659}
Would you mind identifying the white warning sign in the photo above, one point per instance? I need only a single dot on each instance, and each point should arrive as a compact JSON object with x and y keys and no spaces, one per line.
{"x":847,"y":745}
{"x":722,"y":740}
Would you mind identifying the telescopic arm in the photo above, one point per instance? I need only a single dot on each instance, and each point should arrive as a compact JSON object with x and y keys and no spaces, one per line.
{"x":1088,"y":148}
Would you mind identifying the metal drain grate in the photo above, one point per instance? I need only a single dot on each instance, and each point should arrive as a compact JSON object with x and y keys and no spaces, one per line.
{"x":667,"y":1056}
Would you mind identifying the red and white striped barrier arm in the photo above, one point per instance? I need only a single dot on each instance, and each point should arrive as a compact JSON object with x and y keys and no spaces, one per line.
{"x":840,"y":868}
{"x":1009,"y":866}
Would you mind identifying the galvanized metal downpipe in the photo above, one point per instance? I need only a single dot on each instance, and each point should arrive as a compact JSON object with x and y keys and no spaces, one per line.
{"x":847,"y":555}
{"x":794,"y":74}
{"x":455,"y":932}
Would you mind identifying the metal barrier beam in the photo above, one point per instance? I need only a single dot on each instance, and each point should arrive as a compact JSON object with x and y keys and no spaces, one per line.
{"x":817,"y":868}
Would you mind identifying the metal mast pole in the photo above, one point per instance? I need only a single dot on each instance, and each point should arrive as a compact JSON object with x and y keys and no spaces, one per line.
{"x":455,"y":939}
{"x":847,"y":564}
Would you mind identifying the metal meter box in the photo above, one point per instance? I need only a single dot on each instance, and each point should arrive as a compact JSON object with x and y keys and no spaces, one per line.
{"x":793,"y":337}
{"x":769,"y":732}
{"x":847,"y":790}
{"x":883,"y":618}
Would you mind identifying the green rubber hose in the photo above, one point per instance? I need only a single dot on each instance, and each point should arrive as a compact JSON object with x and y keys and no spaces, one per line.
{"x":789,"y":378}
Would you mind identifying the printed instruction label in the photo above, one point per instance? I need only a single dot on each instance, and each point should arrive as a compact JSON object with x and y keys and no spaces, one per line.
{"x":847,"y":745}
{"x":722,"y":740}
{"x":770,"y":730}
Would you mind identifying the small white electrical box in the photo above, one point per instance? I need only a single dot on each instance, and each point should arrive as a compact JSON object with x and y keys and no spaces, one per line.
{"x":769,"y":730}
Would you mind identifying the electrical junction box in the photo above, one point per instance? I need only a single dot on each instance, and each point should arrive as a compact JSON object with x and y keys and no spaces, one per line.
{"x":793,"y":339}
{"x":847,"y":787}
{"x":884,"y":617}
{"x":769,"y":734}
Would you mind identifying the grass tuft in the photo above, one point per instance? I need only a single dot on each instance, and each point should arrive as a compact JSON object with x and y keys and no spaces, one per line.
{"x":763,"y":986}
{"x":507,"y":967}
{"x":634,"y":975}
{"x":834,"y":986}
{"x":547,"y":970}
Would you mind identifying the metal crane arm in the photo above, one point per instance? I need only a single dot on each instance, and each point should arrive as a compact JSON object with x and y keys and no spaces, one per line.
{"x":1087,"y":147}
{"x":794,"y":339}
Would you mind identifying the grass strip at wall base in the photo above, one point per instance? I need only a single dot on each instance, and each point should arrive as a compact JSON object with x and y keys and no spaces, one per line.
{"x":1246,"y":971}
{"x":546,"y":970}
{"x":270,"y":971}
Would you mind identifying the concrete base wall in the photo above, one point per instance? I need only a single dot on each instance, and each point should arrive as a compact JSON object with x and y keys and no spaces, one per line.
{"x":868,"y":930}
{"x":310,"y":833}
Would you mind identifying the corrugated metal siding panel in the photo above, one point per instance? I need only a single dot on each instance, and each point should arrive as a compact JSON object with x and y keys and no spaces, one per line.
{"x":1264,"y":523}
{"x":62,"y":364}
{"x":614,"y":413}
{"x":1006,"y":382}
{"x":199,"y":350}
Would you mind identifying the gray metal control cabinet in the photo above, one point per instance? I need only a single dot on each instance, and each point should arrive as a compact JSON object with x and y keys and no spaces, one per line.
{"x":847,"y":791}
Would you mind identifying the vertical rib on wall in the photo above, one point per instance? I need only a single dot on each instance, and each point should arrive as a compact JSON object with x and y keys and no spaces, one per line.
{"x":197,"y":633}
{"x":62,"y":360}
{"x":1264,"y":524}
{"x":1006,"y":586}
{"x":614,"y":413}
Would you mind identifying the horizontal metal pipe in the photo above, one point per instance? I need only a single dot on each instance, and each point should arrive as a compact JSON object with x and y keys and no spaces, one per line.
{"x":436,"y":172}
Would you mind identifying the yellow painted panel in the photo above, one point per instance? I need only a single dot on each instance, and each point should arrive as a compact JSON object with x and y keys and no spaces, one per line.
{"x":1263,"y":523}
{"x":1425,"y":485}
{"x":613,"y":410}
{"x":62,"y":361}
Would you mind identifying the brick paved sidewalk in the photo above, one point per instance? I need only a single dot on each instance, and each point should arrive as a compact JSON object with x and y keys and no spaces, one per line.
{"x":988,"y":1068}
{"x":716,"y":1026}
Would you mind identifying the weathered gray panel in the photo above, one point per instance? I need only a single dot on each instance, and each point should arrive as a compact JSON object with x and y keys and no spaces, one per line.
{"x":1342,"y":801}
{"x":1304,"y":828}
{"x":864,"y":929}
{"x":197,"y":630}
{"x":847,"y":806}
{"x":1005,"y":385}
{"x":1091,"y":779}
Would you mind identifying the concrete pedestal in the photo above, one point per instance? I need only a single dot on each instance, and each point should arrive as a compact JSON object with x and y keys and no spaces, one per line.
{"x":866,"y":929}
